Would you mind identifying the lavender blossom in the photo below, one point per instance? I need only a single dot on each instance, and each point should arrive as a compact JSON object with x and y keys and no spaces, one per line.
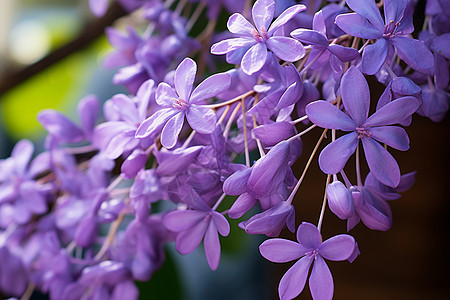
{"x":257,"y":39}
{"x":311,"y":250}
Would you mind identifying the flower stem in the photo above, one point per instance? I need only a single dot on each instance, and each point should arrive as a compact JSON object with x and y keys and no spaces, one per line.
{"x":244,"y":120}
{"x":230,"y":120}
{"x":301,"y":133}
{"x":294,"y":191}
{"x":358,"y":169}
{"x":238,"y":98}
{"x":324,"y":203}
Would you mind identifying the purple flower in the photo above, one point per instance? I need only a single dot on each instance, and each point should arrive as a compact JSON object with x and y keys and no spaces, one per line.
{"x":256,"y":39}
{"x":356,"y":99}
{"x":182,"y":101}
{"x":367,"y":23}
{"x":271,"y":221}
{"x":311,"y":250}
{"x":320,"y":46}
{"x":195,"y":225}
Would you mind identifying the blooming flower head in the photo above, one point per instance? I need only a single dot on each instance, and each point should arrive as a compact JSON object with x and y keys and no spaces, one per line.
{"x":356,"y":99}
{"x":257,"y":39}
{"x":311,"y":250}
{"x":182,"y":101}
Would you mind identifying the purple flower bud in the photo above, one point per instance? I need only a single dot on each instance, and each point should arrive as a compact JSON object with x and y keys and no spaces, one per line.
{"x":87,"y":231}
{"x":271,"y":221}
{"x":340,"y":200}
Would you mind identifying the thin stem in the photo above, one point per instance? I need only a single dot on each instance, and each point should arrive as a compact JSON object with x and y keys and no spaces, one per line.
{"x":114,"y":183}
{"x":324,"y":203}
{"x":118,"y":192}
{"x":222,"y":117}
{"x":363,"y":46}
{"x":301,"y":133}
{"x":303,"y":72}
{"x":238,"y":98}
{"x":28,"y":292}
{"x":195,"y":15}
{"x":258,"y":142}
{"x":348,"y":184}
{"x":425,"y":23}
{"x":110,"y":237}
{"x":358,"y":168}
{"x":388,"y":68}
{"x":244,"y":119}
{"x":219,"y":201}
{"x":180,"y":7}
{"x":301,"y":119}
{"x":7,"y":233}
{"x":80,"y":150}
{"x":188,"y":140}
{"x":230,"y":120}
{"x":294,"y":191}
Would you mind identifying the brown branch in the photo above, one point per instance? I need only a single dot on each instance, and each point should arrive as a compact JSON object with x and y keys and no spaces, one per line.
{"x":91,"y":32}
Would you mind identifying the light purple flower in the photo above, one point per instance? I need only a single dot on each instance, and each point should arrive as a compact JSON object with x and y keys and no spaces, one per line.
{"x":257,"y":39}
{"x":367,"y":23}
{"x":311,"y":250}
{"x":197,"y":224}
{"x":182,"y":101}
{"x":356,"y":99}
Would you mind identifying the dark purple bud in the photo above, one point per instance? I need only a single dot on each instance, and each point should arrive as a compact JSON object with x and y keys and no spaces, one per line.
{"x":340,"y":200}
{"x":174,"y":162}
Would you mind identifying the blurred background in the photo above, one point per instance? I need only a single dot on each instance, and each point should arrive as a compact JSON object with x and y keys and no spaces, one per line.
{"x":51,"y":55}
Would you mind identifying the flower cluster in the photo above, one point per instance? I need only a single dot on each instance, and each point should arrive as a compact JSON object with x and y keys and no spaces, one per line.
{"x":79,"y":221}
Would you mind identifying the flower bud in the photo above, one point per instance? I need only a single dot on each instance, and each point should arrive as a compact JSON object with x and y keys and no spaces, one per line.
{"x":340,"y":200}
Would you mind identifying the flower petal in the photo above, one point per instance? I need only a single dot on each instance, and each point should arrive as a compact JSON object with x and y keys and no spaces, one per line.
{"x":321,"y":282}
{"x":254,"y":59}
{"x":286,"y":48}
{"x":337,"y":248}
{"x":211,"y":87}
{"x":241,"y":205}
{"x":394,"y":10}
{"x":188,"y":240}
{"x":309,"y":236}
{"x":381,"y":163}
{"x":369,"y":10}
{"x":393,"y":112}
{"x":393,"y":136}
{"x":171,"y":130}
{"x":153,"y":124}
{"x":165,"y":95}
{"x":311,"y":37}
{"x":326,"y":115}
{"x":374,"y":56}
{"x":229,"y":45}
{"x":344,"y":54}
{"x":262,"y":12}
{"x":211,"y":244}
{"x":333,"y":157}
{"x":356,"y":25}
{"x":184,"y":78}
{"x":181,"y":220}
{"x":281,"y":250}
{"x":413,"y":52}
{"x":293,"y":282}
{"x":223,"y":227}
{"x":355,"y":95}
{"x":239,"y":25}
{"x":284,"y":17}
{"x":201,"y":119}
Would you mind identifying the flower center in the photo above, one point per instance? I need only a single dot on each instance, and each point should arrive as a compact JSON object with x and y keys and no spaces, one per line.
{"x":363,"y":132}
{"x":260,"y":36}
{"x":313,"y":253}
{"x":389,"y":29}
{"x":179,"y":103}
